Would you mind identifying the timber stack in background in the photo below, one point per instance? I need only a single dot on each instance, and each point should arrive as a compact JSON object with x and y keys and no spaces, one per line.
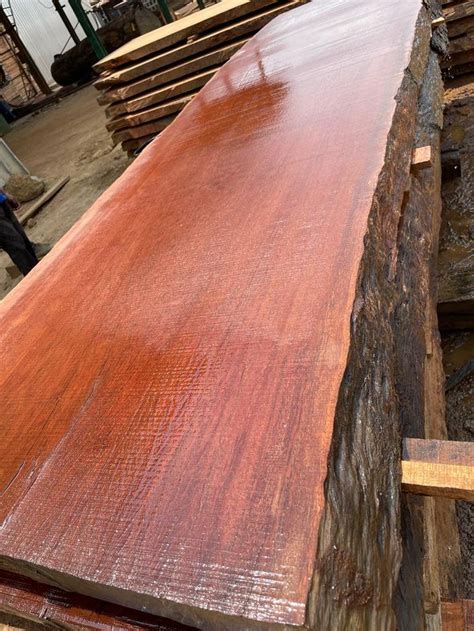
{"x":456,"y":260}
{"x":459,"y":18}
{"x":146,"y":83}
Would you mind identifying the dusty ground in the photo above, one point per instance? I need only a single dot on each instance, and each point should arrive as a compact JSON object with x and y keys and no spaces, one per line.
{"x":65,"y":139}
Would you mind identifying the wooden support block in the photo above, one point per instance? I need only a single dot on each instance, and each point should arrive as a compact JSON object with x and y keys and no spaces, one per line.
{"x":436,"y":23}
{"x":421,"y":158}
{"x":438,"y":468}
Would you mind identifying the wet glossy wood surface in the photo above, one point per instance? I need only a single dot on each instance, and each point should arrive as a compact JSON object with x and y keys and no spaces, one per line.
{"x":169,"y":373}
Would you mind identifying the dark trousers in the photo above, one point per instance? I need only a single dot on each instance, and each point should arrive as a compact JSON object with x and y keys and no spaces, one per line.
{"x":14,"y":241}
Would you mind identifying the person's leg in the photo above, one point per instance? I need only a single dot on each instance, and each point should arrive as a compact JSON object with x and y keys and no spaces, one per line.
{"x":14,"y":245}
{"x":10,"y":214}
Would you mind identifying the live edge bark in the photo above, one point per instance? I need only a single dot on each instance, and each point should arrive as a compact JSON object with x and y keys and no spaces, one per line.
{"x":382,"y":394}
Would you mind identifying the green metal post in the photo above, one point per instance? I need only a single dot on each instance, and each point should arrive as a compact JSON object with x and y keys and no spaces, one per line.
{"x":165,"y":11}
{"x":201,"y":4}
{"x":91,"y":35}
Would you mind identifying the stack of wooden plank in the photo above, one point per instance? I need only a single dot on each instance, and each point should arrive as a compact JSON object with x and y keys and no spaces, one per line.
{"x":147,"y":82}
{"x":456,"y":289}
{"x":459,"y":16}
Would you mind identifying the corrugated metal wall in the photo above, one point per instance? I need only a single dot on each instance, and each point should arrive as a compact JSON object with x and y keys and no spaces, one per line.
{"x":43,"y":31}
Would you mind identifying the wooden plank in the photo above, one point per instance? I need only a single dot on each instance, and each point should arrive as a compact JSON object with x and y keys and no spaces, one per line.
{"x":458,"y":615}
{"x":438,"y":468}
{"x":439,"y":451}
{"x":452,"y":616}
{"x":170,"y":440}
{"x":459,"y":59}
{"x":41,"y":201}
{"x":468,"y":610}
{"x":142,"y":131}
{"x":168,"y":92}
{"x":461,"y":27}
{"x":462,"y":44}
{"x":453,"y":481}
{"x":30,"y":600}
{"x":170,"y":34}
{"x":152,"y":114}
{"x":204,"y":43}
{"x":171,"y":75}
{"x":136,"y":143}
{"x":459,"y":11}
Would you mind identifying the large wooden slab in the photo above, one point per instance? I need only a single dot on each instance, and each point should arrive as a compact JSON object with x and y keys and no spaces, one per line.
{"x":172,"y":371}
{"x":178,"y":31}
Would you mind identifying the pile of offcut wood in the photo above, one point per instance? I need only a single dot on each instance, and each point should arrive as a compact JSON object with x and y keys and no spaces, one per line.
{"x":459,"y":17}
{"x":147,"y":82}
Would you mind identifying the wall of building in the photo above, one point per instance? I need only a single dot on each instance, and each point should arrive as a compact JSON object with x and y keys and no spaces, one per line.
{"x":43,"y":31}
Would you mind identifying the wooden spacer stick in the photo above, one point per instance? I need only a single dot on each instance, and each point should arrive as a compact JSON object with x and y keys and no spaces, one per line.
{"x":438,"y":468}
{"x":421,"y":158}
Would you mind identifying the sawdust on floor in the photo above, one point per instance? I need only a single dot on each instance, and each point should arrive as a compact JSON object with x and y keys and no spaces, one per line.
{"x":68,"y":138}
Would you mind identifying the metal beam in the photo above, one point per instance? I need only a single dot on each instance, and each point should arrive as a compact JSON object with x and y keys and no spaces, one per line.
{"x":67,"y":23}
{"x":92,"y":36}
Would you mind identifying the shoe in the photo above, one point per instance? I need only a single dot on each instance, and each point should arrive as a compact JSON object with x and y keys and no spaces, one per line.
{"x":42,"y":249}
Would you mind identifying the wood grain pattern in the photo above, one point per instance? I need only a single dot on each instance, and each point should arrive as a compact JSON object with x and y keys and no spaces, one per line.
{"x":166,"y":427}
{"x":435,"y":479}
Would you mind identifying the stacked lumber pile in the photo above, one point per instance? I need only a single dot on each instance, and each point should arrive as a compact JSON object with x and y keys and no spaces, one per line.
{"x":456,"y":263}
{"x":215,"y":436}
{"x":459,"y":16}
{"x":145,"y":84}
{"x":456,"y":289}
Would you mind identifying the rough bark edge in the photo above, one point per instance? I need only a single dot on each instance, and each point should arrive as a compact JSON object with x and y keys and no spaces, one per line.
{"x":359,"y":549}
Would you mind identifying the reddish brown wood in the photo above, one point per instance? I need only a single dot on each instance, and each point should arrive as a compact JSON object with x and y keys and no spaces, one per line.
{"x":458,"y":615}
{"x":170,"y":372}
{"x":30,"y":600}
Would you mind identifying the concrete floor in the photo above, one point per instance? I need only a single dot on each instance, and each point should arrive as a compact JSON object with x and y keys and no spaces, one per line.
{"x":68,"y":138}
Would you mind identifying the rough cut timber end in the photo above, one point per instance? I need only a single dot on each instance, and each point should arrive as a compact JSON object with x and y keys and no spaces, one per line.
{"x":438,"y":468}
{"x":194,"y":441}
{"x":437,"y":23}
{"x":422,"y":158}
